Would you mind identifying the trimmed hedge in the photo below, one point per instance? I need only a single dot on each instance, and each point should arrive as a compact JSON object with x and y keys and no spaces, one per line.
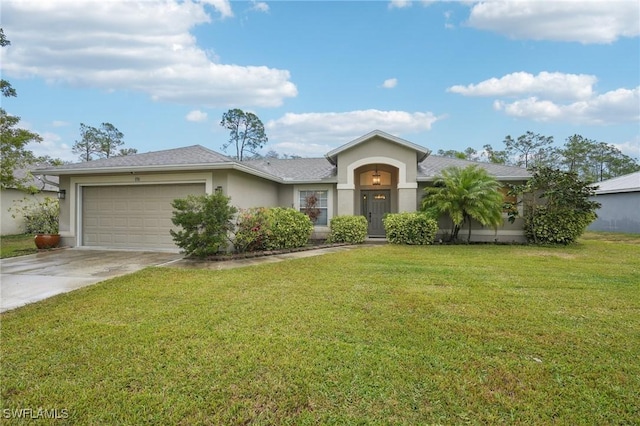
{"x":410,"y":228}
{"x":272,"y":228}
{"x":348,"y":229}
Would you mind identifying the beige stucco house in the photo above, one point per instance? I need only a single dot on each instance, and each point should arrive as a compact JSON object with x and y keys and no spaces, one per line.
{"x":125,"y":202}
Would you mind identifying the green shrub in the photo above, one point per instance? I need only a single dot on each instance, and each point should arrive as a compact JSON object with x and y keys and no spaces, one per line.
{"x":252,"y":230}
{"x":410,"y":228}
{"x":205,"y":222}
{"x":555,"y":226}
{"x":289,"y":229}
{"x":557,"y":206}
{"x":272,"y":229}
{"x":348,"y":229}
{"x":40,"y":217}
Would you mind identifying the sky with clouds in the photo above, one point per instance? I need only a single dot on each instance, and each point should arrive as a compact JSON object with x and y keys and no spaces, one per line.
{"x":442,"y":74}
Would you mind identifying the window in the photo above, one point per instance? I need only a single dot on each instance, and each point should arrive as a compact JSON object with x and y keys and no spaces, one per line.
{"x":319,"y":210}
{"x":511,"y":199}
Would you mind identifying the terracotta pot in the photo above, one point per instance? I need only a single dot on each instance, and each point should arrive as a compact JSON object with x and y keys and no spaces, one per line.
{"x":47,"y":241}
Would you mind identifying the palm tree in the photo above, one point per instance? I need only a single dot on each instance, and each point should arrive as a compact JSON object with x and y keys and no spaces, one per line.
{"x":465,"y":194}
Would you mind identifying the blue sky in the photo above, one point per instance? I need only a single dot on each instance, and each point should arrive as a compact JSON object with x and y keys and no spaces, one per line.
{"x":442,"y":74}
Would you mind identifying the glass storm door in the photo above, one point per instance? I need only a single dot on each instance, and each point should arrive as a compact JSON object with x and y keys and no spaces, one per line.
{"x":375,"y":204}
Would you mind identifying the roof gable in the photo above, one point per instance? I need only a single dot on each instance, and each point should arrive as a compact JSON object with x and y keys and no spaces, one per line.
{"x":421,"y":152}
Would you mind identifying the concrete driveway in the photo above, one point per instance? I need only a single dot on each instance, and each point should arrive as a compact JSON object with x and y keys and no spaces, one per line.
{"x":28,"y":279}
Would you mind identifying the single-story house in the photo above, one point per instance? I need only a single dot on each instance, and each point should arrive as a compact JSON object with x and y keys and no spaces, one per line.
{"x":125,"y":202}
{"x":620,"y":204}
{"x":45,"y":186}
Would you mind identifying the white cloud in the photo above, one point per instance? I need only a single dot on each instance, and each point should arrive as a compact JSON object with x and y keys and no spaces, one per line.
{"x":52,"y":146}
{"x":399,"y":4}
{"x":578,"y":21}
{"x":390,"y":83}
{"x":138,"y":46}
{"x":630,"y":148}
{"x":314,"y":134}
{"x":556,"y":97}
{"x":549,"y":84}
{"x":60,"y":123}
{"x":260,"y":6}
{"x":196,"y":116}
{"x":402,"y":4}
{"x":222,"y":6}
{"x":617,"y":106}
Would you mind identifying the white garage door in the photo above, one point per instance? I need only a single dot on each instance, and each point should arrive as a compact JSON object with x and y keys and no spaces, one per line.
{"x":131,"y":216}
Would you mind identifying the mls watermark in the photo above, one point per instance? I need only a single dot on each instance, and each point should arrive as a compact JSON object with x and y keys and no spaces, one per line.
{"x":35,"y":413}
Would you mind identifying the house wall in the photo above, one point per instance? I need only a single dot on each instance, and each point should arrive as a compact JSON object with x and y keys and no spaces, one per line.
{"x":248,"y":191}
{"x":12,"y":197}
{"x":620,"y":212}
{"x":286,"y":196}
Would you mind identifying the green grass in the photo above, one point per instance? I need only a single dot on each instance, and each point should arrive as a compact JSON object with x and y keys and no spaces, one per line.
{"x":376,"y":335}
{"x":17,"y":245}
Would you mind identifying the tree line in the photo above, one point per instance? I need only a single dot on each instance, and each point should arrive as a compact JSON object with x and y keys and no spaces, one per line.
{"x":591,"y":160}
{"x":100,"y":142}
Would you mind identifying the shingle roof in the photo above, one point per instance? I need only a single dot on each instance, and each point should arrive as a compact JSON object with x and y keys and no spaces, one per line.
{"x":190,"y":155}
{"x":434,"y":164}
{"x":296,"y":169}
{"x":37,"y":180}
{"x":626,"y":183}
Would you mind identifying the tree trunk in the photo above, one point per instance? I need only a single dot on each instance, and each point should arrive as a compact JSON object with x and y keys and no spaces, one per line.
{"x":454,"y":233}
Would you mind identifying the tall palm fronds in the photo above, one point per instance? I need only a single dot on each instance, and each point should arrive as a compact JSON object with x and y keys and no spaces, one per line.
{"x":465,"y":194}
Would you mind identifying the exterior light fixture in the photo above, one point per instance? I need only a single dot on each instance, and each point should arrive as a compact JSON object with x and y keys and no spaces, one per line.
{"x":62,"y":194}
{"x":376,"y":177}
{"x":218,"y":190}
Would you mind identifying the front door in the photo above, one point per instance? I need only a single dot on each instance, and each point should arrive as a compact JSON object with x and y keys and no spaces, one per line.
{"x":375,"y":204}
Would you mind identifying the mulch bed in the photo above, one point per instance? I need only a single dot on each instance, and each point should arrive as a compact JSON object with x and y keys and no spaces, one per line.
{"x":313,"y":245}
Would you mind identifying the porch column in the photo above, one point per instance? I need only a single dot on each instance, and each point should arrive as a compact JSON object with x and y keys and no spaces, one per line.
{"x":345,"y":201}
{"x":407,"y":199}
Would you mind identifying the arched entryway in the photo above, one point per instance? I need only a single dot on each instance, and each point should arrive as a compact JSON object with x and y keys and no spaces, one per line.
{"x":377,"y":190}
{"x":394,"y":192}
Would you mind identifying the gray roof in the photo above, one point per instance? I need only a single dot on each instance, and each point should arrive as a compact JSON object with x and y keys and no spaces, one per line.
{"x":626,"y":183}
{"x":295,"y":170}
{"x":195,"y":155}
{"x":434,"y":164}
{"x":37,"y":180}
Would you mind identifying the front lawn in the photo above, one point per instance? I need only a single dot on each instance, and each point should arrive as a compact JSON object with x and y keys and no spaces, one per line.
{"x":452,"y":334}
{"x":17,"y":245}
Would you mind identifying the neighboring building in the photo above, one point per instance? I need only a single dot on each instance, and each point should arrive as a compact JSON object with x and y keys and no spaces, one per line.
{"x":10,"y":197}
{"x":620,"y":200}
{"x":126,"y":201}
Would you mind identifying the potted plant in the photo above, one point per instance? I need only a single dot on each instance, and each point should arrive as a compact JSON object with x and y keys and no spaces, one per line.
{"x":41,"y":219}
